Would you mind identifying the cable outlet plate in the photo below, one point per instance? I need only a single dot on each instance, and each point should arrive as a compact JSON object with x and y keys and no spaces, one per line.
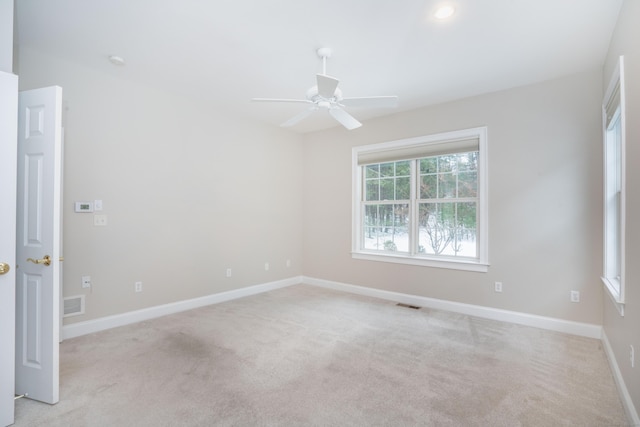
{"x":100,"y":220}
{"x":86,"y":281}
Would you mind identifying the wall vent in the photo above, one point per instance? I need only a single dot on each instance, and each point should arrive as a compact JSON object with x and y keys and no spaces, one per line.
{"x":415,"y":307}
{"x":74,"y":306}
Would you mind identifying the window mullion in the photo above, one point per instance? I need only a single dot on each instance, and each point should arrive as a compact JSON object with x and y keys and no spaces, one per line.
{"x":413,"y":208}
{"x":362,"y":213}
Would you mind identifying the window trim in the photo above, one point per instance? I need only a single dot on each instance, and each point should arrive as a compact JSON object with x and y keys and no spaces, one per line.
{"x":481,"y":263}
{"x":615,"y":288}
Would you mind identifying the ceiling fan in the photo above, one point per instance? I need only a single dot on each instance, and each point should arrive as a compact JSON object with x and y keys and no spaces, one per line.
{"x":326,"y":95}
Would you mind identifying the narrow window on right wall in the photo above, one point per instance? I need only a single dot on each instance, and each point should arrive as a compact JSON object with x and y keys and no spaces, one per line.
{"x":613,"y":112}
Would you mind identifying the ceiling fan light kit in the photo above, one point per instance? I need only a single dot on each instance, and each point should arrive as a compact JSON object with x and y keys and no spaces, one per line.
{"x":116,"y":60}
{"x":326,"y":95}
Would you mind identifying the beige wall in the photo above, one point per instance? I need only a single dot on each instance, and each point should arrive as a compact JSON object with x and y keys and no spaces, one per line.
{"x":185,"y":201}
{"x":544,"y":200}
{"x":188,"y":192}
{"x":625,"y":331}
{"x":6,"y":36}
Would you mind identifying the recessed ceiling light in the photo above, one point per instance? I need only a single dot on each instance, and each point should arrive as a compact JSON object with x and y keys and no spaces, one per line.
{"x":116,"y":60}
{"x":444,"y":12}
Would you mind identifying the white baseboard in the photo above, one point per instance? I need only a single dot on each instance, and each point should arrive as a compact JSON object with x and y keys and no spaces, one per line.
{"x":549,"y":323}
{"x":90,"y":326}
{"x":629,"y":408}
{"x":559,"y":325}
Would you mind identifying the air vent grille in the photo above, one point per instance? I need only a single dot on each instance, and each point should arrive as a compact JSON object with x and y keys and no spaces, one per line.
{"x":415,"y":307}
{"x":74,"y":306}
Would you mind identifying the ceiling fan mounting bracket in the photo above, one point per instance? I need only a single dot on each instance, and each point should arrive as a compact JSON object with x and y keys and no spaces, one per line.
{"x":324,"y":52}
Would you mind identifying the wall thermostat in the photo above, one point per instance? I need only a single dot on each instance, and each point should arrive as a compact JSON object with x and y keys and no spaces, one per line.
{"x":84,"y":206}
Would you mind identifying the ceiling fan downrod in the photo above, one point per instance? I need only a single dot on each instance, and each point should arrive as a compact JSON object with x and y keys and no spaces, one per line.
{"x":324,"y":53}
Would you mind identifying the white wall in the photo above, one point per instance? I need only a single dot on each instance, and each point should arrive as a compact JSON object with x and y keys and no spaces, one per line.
{"x":544,"y":200}
{"x":625,"y":331}
{"x":188,"y":192}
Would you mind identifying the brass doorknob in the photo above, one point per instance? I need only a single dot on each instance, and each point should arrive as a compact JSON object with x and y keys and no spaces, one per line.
{"x":46,"y":260}
{"x":4,"y":268}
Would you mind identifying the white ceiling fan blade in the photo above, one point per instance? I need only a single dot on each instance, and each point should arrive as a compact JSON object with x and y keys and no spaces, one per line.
{"x":345,"y":119}
{"x":305,"y":101}
{"x":298,"y":117}
{"x":371,"y":102}
{"x":327,"y":85}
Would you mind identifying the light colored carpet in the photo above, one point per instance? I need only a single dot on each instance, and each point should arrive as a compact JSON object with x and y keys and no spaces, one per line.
{"x":305,"y":356}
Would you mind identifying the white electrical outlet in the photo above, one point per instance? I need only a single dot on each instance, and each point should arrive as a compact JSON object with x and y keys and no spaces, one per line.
{"x":288,"y":263}
{"x":228,"y":272}
{"x":266,"y":266}
{"x":86,"y":281}
{"x":575,"y":296}
{"x":632,"y":356}
{"x":138,"y":286}
{"x":498,"y":286}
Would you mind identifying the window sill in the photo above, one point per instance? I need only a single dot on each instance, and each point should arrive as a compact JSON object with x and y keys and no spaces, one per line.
{"x":463,"y":265}
{"x":613,"y":291}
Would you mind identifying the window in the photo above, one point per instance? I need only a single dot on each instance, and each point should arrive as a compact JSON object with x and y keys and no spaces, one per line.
{"x":614,"y":188}
{"x":422,"y":201}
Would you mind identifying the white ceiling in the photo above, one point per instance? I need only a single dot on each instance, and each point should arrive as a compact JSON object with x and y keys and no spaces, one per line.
{"x":228,"y":51}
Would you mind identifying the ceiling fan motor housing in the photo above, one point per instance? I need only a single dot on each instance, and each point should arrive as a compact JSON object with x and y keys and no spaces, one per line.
{"x":313,"y":96}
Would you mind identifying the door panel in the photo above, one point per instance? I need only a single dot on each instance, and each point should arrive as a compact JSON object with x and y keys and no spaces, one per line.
{"x":31,"y":299}
{"x":38,"y":244}
{"x":8,"y":138}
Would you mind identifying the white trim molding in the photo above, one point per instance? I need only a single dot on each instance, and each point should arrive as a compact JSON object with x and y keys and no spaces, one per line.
{"x":90,"y":326}
{"x":588,"y":330}
{"x":629,"y":408}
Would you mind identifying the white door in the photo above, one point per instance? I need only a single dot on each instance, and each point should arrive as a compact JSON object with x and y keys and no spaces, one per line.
{"x":8,"y":138}
{"x":38,"y":243}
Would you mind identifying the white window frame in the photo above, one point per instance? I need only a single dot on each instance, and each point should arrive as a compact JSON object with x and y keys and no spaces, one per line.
{"x":614,"y":224}
{"x":478,"y":264}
